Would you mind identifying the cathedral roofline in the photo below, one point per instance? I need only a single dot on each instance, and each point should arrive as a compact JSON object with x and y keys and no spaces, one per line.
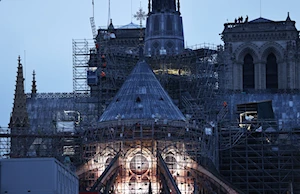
{"x":259,"y":24}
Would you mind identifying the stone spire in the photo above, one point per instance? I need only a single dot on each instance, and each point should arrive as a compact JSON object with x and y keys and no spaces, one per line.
{"x":111,"y":27}
{"x":288,"y":19}
{"x":19,"y":116}
{"x":33,"y":86}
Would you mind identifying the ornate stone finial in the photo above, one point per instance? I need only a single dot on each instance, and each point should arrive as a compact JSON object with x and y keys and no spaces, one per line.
{"x":288,"y":19}
{"x":19,"y":61}
{"x":111,"y":27}
{"x":33,"y":88}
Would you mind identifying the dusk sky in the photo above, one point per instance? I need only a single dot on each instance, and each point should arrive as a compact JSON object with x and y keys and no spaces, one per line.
{"x":41,"y":32}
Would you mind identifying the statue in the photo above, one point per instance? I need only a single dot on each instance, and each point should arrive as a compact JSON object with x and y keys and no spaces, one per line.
{"x":239,"y":20}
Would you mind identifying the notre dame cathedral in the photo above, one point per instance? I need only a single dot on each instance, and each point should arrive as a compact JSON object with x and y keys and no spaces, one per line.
{"x":148,"y":115}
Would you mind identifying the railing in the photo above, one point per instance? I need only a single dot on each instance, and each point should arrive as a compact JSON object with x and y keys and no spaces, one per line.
{"x":148,"y":122}
{"x":120,"y":27}
{"x":58,"y":95}
{"x":203,"y":46}
{"x":280,"y":24}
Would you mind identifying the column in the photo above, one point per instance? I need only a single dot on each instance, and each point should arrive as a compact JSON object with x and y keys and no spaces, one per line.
{"x":237,"y":76}
{"x":282,"y":75}
{"x":257,"y":76}
{"x":292,"y":75}
{"x":261,"y":75}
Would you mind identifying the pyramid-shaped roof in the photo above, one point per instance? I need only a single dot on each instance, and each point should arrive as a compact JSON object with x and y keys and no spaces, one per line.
{"x":142,"y":97}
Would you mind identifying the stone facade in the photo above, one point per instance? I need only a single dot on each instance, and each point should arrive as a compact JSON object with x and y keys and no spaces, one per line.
{"x":260,"y":39}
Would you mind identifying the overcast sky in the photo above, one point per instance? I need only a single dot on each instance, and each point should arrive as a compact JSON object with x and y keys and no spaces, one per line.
{"x":42,"y":30}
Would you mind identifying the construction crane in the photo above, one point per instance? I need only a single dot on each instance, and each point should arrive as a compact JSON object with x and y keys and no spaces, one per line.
{"x":92,"y":20}
{"x":94,"y":31}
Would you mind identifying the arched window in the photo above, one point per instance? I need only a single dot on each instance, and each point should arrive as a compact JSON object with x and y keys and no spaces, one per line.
{"x":248,"y":72}
{"x":271,"y":72}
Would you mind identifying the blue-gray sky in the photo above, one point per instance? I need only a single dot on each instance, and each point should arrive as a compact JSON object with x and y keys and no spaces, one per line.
{"x":44,"y":29}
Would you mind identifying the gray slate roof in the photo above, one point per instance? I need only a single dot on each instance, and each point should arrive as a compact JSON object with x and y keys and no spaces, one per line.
{"x":261,"y":20}
{"x":142,"y":97}
{"x":43,"y":108}
{"x":131,"y":25}
{"x":41,"y":111}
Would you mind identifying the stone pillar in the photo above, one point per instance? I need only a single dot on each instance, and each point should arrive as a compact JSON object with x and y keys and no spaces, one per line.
{"x":292,"y":75}
{"x":229,"y":77}
{"x":263,"y":76}
{"x":297,"y":75}
{"x":226,"y":73}
{"x":237,"y":76}
{"x":282,"y":75}
{"x":259,"y":75}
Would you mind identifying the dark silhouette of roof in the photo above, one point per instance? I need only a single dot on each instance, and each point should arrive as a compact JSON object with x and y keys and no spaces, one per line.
{"x":142,"y":97}
{"x":261,"y":20}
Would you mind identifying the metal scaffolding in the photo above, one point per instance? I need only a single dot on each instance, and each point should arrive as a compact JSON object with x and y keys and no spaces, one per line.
{"x":99,"y":70}
{"x":66,"y":147}
{"x":142,"y":152}
{"x":81,"y":50}
{"x":154,"y":155}
{"x":256,"y":161}
{"x":260,"y":160}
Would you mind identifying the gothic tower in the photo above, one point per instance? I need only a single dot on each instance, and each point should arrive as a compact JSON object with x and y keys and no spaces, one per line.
{"x":19,"y":122}
{"x":164,"y":30}
{"x":262,"y":54}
